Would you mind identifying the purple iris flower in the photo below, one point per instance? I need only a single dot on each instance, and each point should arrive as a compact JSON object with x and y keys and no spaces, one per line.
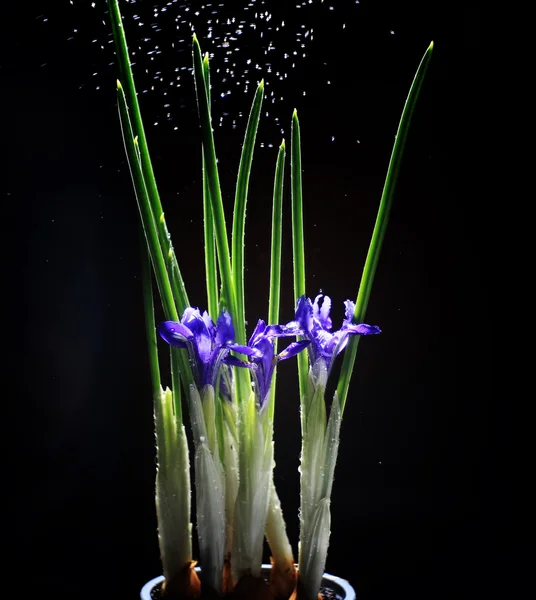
{"x":313,"y":318}
{"x":262,"y":356}
{"x":208,"y":345}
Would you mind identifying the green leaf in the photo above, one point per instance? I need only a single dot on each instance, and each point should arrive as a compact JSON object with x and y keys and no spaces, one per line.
{"x":320,"y":443}
{"x":148,"y":310}
{"x":380,"y":227}
{"x":275,"y":261}
{"x":228,"y":294}
{"x":146,"y":213}
{"x":239,"y":213}
{"x":331,"y":447}
{"x":276,"y":532}
{"x":149,"y":227}
{"x":213,"y":180}
{"x":230,"y":465}
{"x":313,"y":557}
{"x":210,"y":240}
{"x":136,"y":125}
{"x":209,"y":415}
{"x":298,"y":248}
{"x":312,"y":455}
{"x":172,"y":487}
{"x":210,"y":494}
{"x":255,"y":468}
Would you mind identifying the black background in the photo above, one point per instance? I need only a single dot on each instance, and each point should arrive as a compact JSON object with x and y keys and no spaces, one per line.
{"x":411,"y":502}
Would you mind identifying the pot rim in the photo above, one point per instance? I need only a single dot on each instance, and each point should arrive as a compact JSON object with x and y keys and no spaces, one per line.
{"x":342,"y":583}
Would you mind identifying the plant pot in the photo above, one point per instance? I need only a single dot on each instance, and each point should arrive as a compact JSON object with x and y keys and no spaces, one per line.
{"x":341,"y":589}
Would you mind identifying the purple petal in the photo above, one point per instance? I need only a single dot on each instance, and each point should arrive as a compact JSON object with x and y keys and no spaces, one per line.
{"x":304,"y":313}
{"x":265,"y":349}
{"x":203,"y":337}
{"x":190,"y":317}
{"x":322,"y":313}
{"x":245,"y":350}
{"x":209,"y":324}
{"x":349,"y":308}
{"x":224,"y":329}
{"x":174,"y":333}
{"x":337,"y":343}
{"x":259,"y":330}
{"x":324,"y":341}
{"x":236,"y":362}
{"x":363,"y":329}
{"x":293,"y":349}
{"x":290,"y":329}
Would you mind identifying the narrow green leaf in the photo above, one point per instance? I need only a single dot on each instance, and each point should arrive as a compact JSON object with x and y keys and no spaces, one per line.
{"x":210,"y":491}
{"x":146,"y":213}
{"x":210,"y":240}
{"x":239,"y":213}
{"x":331,"y":447}
{"x":148,"y":225}
{"x":173,"y":495}
{"x":211,"y":169}
{"x":314,"y":554}
{"x":206,"y":76}
{"x":230,"y":465}
{"x":312,"y":455}
{"x":123,"y":59}
{"x":210,"y":501}
{"x":228,"y":295}
{"x":276,"y":534}
{"x":209,"y":414}
{"x":255,"y":469}
{"x":148,"y":309}
{"x":298,"y":249}
{"x":275,"y":261}
{"x":381,"y":225}
{"x":210,"y":251}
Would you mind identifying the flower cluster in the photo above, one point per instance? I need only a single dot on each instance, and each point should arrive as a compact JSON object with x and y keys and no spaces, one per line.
{"x":209,"y":345}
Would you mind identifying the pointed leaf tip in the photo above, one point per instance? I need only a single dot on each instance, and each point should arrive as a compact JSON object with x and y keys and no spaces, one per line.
{"x":431,"y":46}
{"x":295,"y":114}
{"x":261,"y":84}
{"x":282,"y":143}
{"x":119,"y":86}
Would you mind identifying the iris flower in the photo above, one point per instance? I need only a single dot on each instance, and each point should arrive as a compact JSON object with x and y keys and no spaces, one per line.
{"x":262,"y":357}
{"x":208,"y":345}
{"x":314,"y":320}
